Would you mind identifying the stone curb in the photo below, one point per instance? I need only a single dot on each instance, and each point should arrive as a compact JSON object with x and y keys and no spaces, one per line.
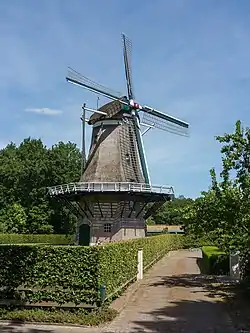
{"x":40,"y":323}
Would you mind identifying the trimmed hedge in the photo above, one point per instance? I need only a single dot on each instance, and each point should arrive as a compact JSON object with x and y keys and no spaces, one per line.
{"x":74,"y":273}
{"x":118,"y":262}
{"x":35,"y":239}
{"x":215,"y":261}
{"x":49,"y":273}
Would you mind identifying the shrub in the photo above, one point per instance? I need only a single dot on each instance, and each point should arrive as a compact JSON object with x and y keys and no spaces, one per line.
{"x":63,"y":274}
{"x":118,"y":262}
{"x":215,"y":261}
{"x":35,"y":239}
{"x":193,"y":241}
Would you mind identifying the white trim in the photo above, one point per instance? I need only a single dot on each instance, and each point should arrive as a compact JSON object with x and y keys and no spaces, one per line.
{"x":147,"y":125}
{"x":95,"y":111}
{"x":107,"y":122}
{"x":109,"y":186}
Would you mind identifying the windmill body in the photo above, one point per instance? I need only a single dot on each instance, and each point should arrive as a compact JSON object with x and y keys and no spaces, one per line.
{"x":114,"y":196}
{"x":113,"y":154}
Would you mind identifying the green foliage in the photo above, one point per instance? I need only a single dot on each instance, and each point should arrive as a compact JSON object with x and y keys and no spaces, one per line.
{"x":215,"y":261}
{"x":74,"y":274}
{"x":150,"y":221}
{"x":35,"y":239}
{"x":50,"y":273}
{"x":16,"y":218}
{"x":191,"y":240}
{"x":118,"y":262}
{"x":80,"y":317}
{"x":25,"y":173}
{"x":171,"y":213}
{"x":224,"y":210}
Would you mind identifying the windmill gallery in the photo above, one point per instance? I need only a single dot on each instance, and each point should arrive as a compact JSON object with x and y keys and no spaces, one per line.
{"x":114,"y":196}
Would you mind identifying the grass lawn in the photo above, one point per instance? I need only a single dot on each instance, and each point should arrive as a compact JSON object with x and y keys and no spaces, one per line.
{"x":75,"y":316}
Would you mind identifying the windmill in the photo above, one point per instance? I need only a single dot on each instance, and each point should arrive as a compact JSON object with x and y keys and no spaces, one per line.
{"x":115,"y":195}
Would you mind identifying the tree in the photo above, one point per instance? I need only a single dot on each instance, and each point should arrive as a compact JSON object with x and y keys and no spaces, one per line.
{"x":171,"y":213}
{"x":16,"y":219}
{"x":64,"y":167}
{"x":25,"y":173}
{"x":224,"y":210}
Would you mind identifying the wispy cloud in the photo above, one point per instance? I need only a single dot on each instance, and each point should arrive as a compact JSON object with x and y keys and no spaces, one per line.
{"x":46,"y":111}
{"x":190,"y":60}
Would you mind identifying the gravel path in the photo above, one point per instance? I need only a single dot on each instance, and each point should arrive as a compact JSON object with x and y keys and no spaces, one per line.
{"x":172,"y":298}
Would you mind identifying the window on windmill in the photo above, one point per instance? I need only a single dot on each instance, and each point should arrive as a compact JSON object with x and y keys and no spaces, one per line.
{"x":107,"y":227}
{"x":132,"y":204}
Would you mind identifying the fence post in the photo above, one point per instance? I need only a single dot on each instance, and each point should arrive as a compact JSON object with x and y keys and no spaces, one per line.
{"x":234,"y":262}
{"x":103,"y":292}
{"x":140,"y":265}
{"x":77,"y":232}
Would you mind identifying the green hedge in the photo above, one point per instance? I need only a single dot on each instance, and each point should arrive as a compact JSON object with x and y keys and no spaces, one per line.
{"x":35,"y":239}
{"x":74,"y":273}
{"x":215,"y":261}
{"x":118,"y":262}
{"x":64,"y":273}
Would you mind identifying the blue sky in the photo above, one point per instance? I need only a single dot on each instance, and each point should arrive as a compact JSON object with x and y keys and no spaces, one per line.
{"x":191,"y":59}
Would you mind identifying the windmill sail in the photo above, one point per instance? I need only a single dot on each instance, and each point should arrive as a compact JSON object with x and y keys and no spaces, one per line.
{"x":164,"y":122}
{"x":78,"y":79}
{"x":127,"y":50}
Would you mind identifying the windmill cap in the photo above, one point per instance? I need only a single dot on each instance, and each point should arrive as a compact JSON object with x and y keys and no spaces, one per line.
{"x":112,"y":109}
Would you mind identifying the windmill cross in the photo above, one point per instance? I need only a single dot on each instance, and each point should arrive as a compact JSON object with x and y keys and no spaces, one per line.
{"x":151,"y":118}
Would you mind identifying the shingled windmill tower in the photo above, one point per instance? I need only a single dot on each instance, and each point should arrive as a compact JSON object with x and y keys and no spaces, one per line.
{"x":114,"y":196}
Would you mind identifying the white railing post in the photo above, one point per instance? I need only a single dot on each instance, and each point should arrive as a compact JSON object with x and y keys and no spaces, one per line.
{"x":234,"y":262}
{"x":140,"y":265}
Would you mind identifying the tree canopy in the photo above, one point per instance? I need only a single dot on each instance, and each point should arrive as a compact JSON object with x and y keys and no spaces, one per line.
{"x":171,"y":213}
{"x":224,"y":209}
{"x":25,"y":173}
{"x":222,"y":212}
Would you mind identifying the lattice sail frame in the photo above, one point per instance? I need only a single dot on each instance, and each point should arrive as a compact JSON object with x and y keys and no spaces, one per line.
{"x":127,"y":55}
{"x":92,"y":85}
{"x":163,"y":124}
{"x":148,"y":115}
